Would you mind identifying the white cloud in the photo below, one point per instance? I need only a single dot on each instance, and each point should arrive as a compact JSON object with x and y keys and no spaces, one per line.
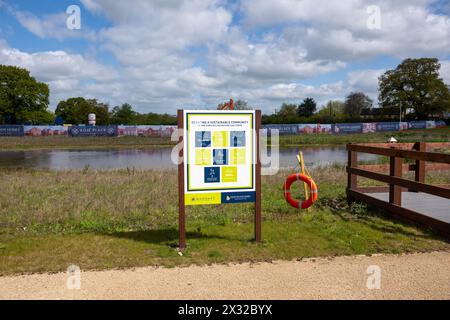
{"x":57,"y":65}
{"x":278,"y":59}
{"x":164,"y":24}
{"x":174,"y":53}
{"x":338,"y":29}
{"x":49,"y":25}
{"x":67,"y":74}
{"x":365,"y":81}
{"x":92,"y":6}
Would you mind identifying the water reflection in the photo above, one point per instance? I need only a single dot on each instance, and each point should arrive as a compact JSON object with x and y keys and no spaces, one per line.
{"x":155,"y":158}
{"x":319,"y":156}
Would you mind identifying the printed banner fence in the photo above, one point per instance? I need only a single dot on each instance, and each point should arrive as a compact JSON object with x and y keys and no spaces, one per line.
{"x":166,"y":131}
{"x":353,"y":128}
{"x":11,"y":131}
{"x":417,"y":125}
{"x":314,"y":128}
{"x":43,"y":131}
{"x":93,"y":131}
{"x":347,"y":128}
{"x":283,"y":128}
{"x":146,"y":131}
{"x":440,"y":124}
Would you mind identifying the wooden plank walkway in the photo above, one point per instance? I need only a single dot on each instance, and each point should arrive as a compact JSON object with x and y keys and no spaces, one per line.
{"x":426,"y":204}
{"x":429,"y":208}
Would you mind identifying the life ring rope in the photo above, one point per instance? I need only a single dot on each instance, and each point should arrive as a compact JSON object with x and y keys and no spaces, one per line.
{"x":313,"y":191}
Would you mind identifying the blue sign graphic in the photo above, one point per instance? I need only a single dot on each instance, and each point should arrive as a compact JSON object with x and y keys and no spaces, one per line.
{"x":202,"y":139}
{"x":388,"y":126}
{"x":11,"y":131}
{"x":220,"y":157}
{"x":417,"y":125}
{"x":283,"y":128}
{"x":91,"y":131}
{"x":59,"y":121}
{"x":348,"y":128}
{"x":237,"y":138}
{"x":440,"y":124}
{"x":212,"y":174}
{"x":238,"y":197}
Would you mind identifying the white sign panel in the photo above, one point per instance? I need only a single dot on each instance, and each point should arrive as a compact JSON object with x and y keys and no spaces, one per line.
{"x":220,"y":156}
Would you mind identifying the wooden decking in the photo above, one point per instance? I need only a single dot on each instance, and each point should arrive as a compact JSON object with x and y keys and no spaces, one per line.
{"x":415,"y":200}
{"x":426,"y":204}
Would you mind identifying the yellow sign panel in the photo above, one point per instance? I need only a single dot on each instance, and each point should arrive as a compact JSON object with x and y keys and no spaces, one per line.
{"x":229,"y":174}
{"x":220,"y":139}
{"x":202,"y":198}
{"x":237,"y":156}
{"x":203,"y":157}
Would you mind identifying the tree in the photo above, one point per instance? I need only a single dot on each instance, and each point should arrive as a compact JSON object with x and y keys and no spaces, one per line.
{"x":287,"y":113}
{"x":41,"y":117}
{"x":307,"y":108}
{"x":415,"y":84}
{"x":76,"y":110}
{"x":241,"y":105}
{"x":238,"y":105}
{"x":123,"y":115}
{"x":155,"y":119}
{"x":101,"y":111}
{"x":335,"y":108}
{"x":22,"y":98}
{"x":333,"y":111}
{"x":355,"y":102}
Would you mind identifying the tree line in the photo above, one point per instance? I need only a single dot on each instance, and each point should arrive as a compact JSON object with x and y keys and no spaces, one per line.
{"x":76,"y":110}
{"x":334,"y":111}
{"x":413,"y":90}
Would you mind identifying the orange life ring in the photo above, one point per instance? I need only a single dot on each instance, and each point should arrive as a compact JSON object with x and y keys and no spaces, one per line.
{"x":311,"y":184}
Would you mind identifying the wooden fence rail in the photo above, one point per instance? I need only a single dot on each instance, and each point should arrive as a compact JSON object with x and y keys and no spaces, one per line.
{"x":396,"y":153}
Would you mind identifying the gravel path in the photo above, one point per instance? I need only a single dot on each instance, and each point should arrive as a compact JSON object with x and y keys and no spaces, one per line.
{"x":413,"y":276}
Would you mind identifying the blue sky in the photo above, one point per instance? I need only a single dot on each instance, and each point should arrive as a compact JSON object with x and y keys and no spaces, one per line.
{"x":162,"y":55}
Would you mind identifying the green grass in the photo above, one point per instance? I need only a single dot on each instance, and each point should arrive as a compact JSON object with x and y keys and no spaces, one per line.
{"x":61,"y":142}
{"x":128,"y":218}
{"x":311,"y":235}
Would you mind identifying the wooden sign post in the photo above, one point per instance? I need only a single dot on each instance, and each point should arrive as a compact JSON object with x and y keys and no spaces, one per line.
{"x":258,"y":216}
{"x":220,"y":162}
{"x":181,"y":206}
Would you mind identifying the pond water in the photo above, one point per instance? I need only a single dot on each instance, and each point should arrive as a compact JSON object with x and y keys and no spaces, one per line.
{"x":155,"y":158}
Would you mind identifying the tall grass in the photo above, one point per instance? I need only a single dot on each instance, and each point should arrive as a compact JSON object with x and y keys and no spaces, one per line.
{"x":120,"y":200}
{"x":128,"y":218}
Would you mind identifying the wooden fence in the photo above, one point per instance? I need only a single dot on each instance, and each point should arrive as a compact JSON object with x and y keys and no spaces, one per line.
{"x":420,"y":153}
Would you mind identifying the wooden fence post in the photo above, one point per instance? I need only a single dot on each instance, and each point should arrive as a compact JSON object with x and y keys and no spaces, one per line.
{"x":181,"y":204}
{"x":420,"y":165}
{"x":395,"y":170}
{"x":352,"y":182}
{"x":258,"y":217}
{"x":352,"y":179}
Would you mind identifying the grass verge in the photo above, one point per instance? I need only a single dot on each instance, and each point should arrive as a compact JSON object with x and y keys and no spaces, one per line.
{"x":128,"y":218}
